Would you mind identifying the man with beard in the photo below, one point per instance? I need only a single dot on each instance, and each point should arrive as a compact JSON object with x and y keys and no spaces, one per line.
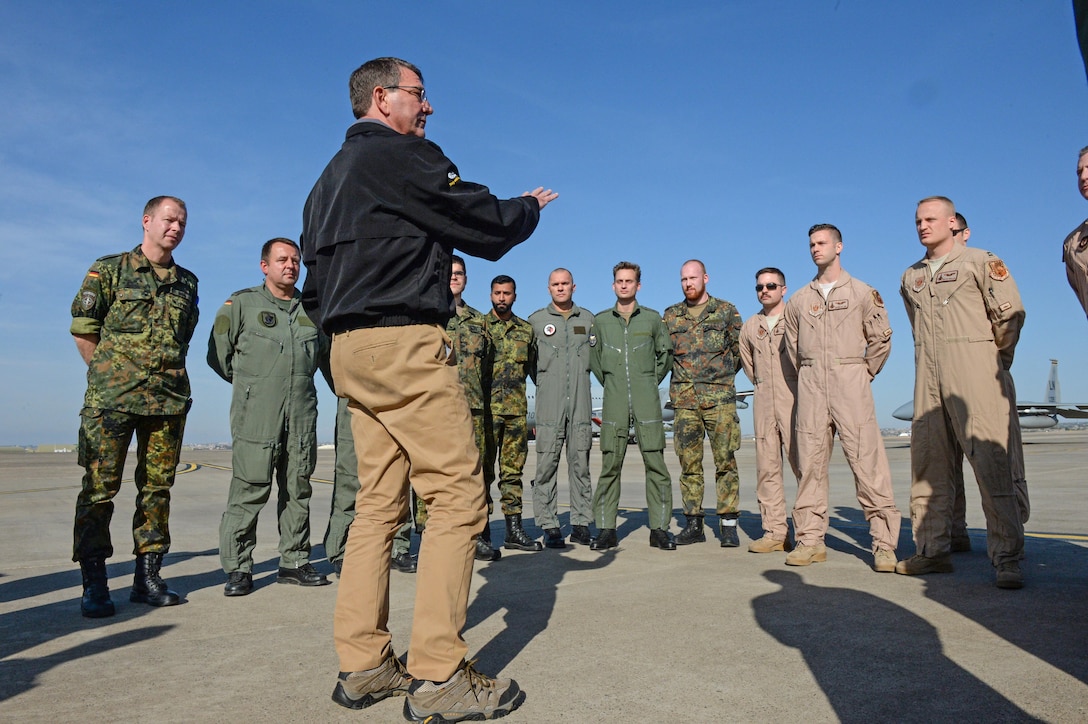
{"x":705,"y":334}
{"x":508,"y":443}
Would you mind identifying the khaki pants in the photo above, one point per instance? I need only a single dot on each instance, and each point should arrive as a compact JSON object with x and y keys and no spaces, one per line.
{"x":411,"y":423}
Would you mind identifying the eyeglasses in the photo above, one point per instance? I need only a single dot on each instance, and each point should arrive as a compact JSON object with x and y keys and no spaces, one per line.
{"x":958,"y":231}
{"x":457,"y":274}
{"x":769,"y":287}
{"x":416,"y":90}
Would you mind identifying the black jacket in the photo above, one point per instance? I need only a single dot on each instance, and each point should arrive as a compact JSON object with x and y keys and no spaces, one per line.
{"x":381,"y":222}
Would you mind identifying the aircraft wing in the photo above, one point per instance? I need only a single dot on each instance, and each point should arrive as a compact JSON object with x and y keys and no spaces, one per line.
{"x":1072,"y":410}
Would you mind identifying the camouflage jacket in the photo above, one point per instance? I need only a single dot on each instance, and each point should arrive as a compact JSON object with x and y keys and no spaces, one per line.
{"x":474,"y":352}
{"x":144,"y":327}
{"x":706,"y":354}
{"x":514,"y":358}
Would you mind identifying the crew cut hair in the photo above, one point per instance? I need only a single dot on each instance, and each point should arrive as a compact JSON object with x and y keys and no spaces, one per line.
{"x":826,"y":227}
{"x":266,"y":249}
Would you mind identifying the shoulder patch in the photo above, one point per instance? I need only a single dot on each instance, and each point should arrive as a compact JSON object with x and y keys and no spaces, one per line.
{"x":877,"y":300}
{"x":998,"y":271}
{"x":87,"y":299}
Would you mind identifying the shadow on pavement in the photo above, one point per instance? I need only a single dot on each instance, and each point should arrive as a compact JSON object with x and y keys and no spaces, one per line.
{"x":875,"y":660}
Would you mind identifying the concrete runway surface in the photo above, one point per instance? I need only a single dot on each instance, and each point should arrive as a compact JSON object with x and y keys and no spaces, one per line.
{"x":635,"y":634}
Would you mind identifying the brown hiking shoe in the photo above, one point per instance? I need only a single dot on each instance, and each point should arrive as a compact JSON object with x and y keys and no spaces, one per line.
{"x":884,"y":561}
{"x":918,"y":564}
{"x":766,"y":544}
{"x":803,"y":555}
{"x":468,"y":695}
{"x":360,"y":689}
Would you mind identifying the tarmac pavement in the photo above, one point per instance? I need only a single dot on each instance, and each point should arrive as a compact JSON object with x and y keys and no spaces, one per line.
{"x":635,"y":634}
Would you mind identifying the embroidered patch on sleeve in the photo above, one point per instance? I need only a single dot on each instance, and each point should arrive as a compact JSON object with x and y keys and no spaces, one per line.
{"x":877,"y":300}
{"x":998,"y":271}
{"x":1005,"y":307}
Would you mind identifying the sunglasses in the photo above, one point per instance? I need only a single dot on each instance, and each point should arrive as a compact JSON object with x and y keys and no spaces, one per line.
{"x":770,"y":287}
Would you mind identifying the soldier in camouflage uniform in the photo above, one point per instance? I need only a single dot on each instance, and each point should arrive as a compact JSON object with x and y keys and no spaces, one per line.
{"x":512,"y":338}
{"x":705,"y":334}
{"x":265,"y":345}
{"x":132,"y":322}
{"x":475,"y":356}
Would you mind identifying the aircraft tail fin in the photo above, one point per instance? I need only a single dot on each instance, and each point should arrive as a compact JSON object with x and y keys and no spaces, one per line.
{"x":1053,"y":386}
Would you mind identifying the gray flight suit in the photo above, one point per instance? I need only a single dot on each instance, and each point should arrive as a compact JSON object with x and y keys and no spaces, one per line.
{"x":268,"y":349}
{"x":563,"y":412}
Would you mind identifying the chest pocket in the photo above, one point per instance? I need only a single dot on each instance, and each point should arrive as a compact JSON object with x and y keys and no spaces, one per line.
{"x":130,"y":312}
{"x":182,"y":316}
{"x":519,"y":340}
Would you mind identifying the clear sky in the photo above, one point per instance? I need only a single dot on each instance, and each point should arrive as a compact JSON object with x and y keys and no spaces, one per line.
{"x":718,"y":130}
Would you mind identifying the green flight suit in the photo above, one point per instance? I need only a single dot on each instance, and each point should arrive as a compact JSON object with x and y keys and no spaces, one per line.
{"x":706,"y":355}
{"x":563,"y":412}
{"x":136,"y":384}
{"x":268,"y":349}
{"x":508,"y":441}
{"x":345,"y":488}
{"x":630,"y":358}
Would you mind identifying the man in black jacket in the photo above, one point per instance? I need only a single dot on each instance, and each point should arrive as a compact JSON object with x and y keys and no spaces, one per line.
{"x":378,"y":231}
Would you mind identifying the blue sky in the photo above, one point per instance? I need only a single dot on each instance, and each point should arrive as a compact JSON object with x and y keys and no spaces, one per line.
{"x":715,"y":130}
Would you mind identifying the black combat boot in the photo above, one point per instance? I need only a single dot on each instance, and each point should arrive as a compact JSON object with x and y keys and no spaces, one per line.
{"x":553,"y":538}
{"x":148,"y":586}
{"x":484,"y":551}
{"x":660,"y":538}
{"x":692,"y":532}
{"x":96,"y":601}
{"x":606,"y":538}
{"x":580,"y":534}
{"x":516,"y":537}
{"x":729,"y":532}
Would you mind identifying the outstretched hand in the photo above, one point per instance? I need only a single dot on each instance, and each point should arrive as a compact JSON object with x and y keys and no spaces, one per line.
{"x":542,"y":197}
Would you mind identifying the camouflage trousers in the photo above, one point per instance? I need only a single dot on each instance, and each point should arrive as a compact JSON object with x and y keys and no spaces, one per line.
{"x":509,"y":443}
{"x":104,"y":437}
{"x":721,"y":425}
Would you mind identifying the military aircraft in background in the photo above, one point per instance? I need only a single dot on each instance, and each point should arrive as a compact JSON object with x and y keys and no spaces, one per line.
{"x":1033,"y":415}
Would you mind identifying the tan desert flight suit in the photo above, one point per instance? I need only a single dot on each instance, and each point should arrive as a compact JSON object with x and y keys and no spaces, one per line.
{"x":1075,"y":256}
{"x":774,"y":379}
{"x":966,"y":322}
{"x":838,"y":346}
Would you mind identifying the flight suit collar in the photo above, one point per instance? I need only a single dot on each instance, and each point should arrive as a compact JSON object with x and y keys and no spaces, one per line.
{"x":263,"y":290}
{"x":574,"y":311}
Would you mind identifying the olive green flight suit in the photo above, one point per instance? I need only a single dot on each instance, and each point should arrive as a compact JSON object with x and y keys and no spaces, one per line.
{"x":630,"y":358}
{"x":268,"y":349}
